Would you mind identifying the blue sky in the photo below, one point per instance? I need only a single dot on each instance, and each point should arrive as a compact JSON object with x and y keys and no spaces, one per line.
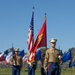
{"x":15,"y":17}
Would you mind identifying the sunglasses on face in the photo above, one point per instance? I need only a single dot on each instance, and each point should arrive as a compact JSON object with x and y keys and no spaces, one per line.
{"x":53,"y":42}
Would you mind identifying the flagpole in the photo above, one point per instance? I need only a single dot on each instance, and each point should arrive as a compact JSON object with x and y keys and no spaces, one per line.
{"x":46,"y":37}
{"x":33,"y":23}
{"x":33,"y":8}
{"x":46,"y":30}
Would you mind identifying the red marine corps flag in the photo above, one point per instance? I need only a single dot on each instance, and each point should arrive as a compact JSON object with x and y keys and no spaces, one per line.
{"x":41,"y":40}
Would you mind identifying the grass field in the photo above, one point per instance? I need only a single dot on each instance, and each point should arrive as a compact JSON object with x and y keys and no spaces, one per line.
{"x":7,"y":71}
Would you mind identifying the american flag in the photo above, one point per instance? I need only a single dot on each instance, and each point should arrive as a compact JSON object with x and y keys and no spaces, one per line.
{"x":30,"y":40}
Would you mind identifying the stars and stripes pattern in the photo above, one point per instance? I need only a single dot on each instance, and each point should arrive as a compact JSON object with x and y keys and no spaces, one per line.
{"x":30,"y":40}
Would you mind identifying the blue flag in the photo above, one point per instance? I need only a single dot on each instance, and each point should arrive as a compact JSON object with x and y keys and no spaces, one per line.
{"x":21,"y":53}
{"x":38,"y":55}
{"x":67,"y":56}
{"x":63,"y":57}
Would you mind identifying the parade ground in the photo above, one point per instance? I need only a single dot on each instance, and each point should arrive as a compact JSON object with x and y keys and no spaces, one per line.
{"x":7,"y":71}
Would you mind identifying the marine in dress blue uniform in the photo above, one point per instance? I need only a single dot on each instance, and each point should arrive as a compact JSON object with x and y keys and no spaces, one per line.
{"x":42,"y":68}
{"x":16,"y":62}
{"x":52,"y":59}
{"x":32,"y":67}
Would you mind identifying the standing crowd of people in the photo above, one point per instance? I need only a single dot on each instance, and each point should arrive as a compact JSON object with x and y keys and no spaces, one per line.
{"x":50,"y":61}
